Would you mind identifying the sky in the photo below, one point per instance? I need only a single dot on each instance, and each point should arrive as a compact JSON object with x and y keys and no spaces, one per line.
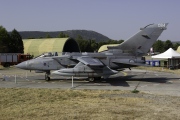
{"x":116,"y":19}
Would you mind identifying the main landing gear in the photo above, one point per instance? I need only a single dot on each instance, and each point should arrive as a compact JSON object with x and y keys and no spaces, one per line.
{"x":47,"y":78}
{"x":94,"y":79}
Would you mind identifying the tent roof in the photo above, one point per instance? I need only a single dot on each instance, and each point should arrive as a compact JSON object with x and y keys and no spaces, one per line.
{"x":170,"y":53}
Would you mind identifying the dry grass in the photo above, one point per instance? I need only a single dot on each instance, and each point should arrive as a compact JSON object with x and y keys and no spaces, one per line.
{"x":23,"y":103}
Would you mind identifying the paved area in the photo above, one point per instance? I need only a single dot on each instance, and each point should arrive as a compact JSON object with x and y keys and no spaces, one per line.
{"x":142,"y":80}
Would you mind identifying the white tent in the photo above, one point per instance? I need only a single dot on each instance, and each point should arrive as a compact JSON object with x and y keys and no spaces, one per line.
{"x":170,"y":53}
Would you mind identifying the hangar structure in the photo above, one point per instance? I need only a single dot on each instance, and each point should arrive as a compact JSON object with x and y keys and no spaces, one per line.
{"x":178,"y":49}
{"x":39,"y":46}
{"x":105,"y":47}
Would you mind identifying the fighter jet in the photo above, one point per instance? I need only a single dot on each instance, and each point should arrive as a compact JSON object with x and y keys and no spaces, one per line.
{"x":96,"y":65}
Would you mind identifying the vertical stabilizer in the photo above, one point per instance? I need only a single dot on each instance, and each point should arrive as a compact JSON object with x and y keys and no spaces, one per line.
{"x":141,"y":42}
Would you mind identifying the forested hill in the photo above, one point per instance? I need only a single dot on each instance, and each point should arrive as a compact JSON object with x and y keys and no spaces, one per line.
{"x":85,"y":34}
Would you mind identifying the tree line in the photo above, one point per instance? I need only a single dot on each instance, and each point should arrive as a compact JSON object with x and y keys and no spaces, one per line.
{"x":92,"y":45}
{"x":60,"y":35}
{"x":10,"y":43}
{"x":162,"y":46}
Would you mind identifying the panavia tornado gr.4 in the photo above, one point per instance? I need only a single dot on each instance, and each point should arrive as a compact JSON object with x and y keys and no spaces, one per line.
{"x":96,"y":65}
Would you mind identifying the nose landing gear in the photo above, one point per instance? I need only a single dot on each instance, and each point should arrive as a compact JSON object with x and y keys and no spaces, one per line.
{"x":47,"y":78}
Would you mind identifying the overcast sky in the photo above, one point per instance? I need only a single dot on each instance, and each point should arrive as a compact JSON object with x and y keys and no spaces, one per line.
{"x":116,"y":19}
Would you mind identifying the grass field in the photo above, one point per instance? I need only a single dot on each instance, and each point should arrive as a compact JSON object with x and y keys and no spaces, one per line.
{"x":26,"y":104}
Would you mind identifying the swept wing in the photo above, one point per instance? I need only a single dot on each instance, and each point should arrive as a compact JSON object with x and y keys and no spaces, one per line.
{"x":89,"y":61}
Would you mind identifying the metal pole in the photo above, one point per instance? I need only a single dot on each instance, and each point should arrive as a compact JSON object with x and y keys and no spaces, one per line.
{"x":4,"y":78}
{"x":15,"y":79}
{"x":26,"y":75}
{"x":72,"y":82}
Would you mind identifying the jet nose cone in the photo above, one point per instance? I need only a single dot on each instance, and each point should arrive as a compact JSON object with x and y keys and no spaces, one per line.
{"x":21,"y":65}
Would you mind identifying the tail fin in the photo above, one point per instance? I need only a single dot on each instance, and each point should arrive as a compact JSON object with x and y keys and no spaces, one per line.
{"x":142,"y":41}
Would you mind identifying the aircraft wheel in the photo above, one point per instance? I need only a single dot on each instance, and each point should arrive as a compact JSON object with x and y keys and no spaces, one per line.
{"x":97,"y":79}
{"x":91,"y":79}
{"x":47,"y":78}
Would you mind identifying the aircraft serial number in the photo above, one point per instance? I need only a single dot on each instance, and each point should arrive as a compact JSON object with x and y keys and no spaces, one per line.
{"x":162,"y":25}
